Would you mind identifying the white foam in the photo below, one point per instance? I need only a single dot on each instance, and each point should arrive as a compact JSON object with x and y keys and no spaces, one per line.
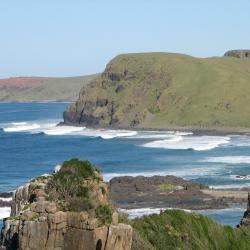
{"x":228,"y":159}
{"x":139,"y":212}
{"x":198,"y":143}
{"x":61,"y":130}
{"x":4,"y":212}
{"x":22,"y":127}
{"x":231,"y":186}
{"x":6,"y":199}
{"x":54,"y":130}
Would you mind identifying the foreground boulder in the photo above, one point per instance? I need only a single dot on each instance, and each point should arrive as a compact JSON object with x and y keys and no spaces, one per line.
{"x":68,"y":210}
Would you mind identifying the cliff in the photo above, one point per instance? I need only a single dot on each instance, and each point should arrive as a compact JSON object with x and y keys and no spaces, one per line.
{"x":164,"y":90}
{"x":68,"y":210}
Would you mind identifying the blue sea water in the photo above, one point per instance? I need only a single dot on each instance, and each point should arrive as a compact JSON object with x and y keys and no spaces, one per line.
{"x":31,"y":144}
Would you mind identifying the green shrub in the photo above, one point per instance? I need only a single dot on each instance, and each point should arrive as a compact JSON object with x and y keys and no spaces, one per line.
{"x":71,"y":185}
{"x":82,"y":169}
{"x":104,"y":213}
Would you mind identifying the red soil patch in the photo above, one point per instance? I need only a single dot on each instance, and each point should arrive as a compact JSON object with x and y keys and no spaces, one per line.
{"x":22,"y":81}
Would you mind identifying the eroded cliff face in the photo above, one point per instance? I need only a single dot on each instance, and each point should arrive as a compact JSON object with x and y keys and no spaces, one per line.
{"x":38,"y":223}
{"x":123,"y":96}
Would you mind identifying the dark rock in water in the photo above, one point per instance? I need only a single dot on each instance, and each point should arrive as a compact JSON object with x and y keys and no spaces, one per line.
{"x":160,"y":191}
{"x":238,"y":53}
{"x":6,"y":194}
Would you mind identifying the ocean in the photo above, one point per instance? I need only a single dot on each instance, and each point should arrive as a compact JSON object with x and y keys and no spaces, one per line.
{"x":31,"y":144}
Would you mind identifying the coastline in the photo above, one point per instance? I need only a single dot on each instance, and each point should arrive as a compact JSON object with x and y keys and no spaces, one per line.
{"x":195,"y":130}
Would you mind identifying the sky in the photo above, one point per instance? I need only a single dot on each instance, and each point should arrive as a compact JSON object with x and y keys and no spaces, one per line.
{"x":70,"y":37}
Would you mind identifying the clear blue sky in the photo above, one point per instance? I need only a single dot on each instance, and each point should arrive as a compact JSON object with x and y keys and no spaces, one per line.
{"x":70,"y":37}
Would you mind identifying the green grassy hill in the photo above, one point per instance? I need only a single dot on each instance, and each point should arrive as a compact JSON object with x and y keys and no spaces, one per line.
{"x":164,"y":90}
{"x":177,"y":230}
{"x":42,"y":88}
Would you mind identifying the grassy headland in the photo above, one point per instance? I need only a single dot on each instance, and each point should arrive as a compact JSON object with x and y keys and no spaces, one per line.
{"x":165,"y":90}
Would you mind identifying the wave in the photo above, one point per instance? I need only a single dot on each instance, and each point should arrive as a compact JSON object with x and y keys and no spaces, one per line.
{"x":139,"y":212}
{"x":198,"y":143}
{"x":22,"y":127}
{"x":61,"y":130}
{"x":6,"y":199}
{"x":4,"y":212}
{"x":228,"y":159}
{"x":231,"y":186}
{"x":52,"y":129}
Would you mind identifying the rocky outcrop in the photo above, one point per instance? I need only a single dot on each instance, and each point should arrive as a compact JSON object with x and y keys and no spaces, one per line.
{"x":162,"y":191}
{"x":39,"y":223}
{"x":238,"y":53}
{"x":103,"y":103}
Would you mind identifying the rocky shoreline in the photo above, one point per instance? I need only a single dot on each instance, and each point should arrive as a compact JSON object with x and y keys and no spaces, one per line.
{"x":170,"y":192}
{"x":163,"y":192}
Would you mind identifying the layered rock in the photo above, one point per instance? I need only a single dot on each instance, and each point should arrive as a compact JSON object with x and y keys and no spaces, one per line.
{"x":38,"y":223}
{"x":238,"y":53}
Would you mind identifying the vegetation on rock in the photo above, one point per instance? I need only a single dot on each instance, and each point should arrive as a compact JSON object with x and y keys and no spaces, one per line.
{"x":175,"y":229}
{"x":104,"y":213}
{"x":76,"y":187}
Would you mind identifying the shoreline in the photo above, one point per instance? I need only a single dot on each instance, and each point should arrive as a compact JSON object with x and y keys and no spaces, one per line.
{"x":216,"y":131}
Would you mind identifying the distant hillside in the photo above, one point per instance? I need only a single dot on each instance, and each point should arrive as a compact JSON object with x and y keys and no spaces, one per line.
{"x":42,"y":88}
{"x":164,"y":90}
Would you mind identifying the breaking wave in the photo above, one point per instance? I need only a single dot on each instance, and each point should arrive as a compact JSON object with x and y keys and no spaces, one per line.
{"x":231,"y":186}
{"x":52,"y":129}
{"x":4,"y":212}
{"x":198,"y":143}
{"x":228,"y":159}
{"x":6,"y":199}
{"x":139,"y":212}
